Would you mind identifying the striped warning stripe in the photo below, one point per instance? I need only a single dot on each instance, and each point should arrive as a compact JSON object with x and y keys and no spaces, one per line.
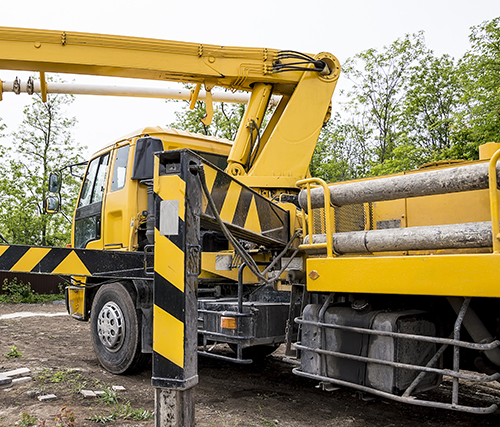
{"x":67,"y":261}
{"x":170,"y":276}
{"x":245,"y":209}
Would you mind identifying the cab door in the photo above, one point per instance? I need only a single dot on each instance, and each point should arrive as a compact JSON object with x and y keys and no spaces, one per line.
{"x":87,"y":231}
{"x":118,"y":203}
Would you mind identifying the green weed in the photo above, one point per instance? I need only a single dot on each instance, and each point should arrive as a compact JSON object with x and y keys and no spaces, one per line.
{"x":122,"y":411}
{"x":13,"y":353}
{"x":109,"y":397}
{"x":27,"y":420}
{"x":73,"y":379}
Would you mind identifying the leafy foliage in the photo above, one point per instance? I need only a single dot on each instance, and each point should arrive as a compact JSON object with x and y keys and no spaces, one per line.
{"x":27,"y":420}
{"x":379,"y":81}
{"x":3,"y":126}
{"x":16,"y":291}
{"x":42,"y":143}
{"x":407,"y":107}
{"x":13,"y":353}
{"x":481,"y":76}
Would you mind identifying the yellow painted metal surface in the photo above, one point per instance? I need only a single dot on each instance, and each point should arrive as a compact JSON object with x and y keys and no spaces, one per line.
{"x":172,"y":263}
{"x":493,"y":193}
{"x":289,"y":149}
{"x":456,"y":208}
{"x":72,"y":265}
{"x":61,"y":261}
{"x":168,"y":336}
{"x":248,"y":134}
{"x":253,"y":220}
{"x":474,"y":275}
{"x":209,"y":266}
{"x":236,"y":203}
{"x":30,"y":259}
{"x":120,"y":56}
{"x":230,"y":201}
{"x":120,"y":206}
{"x":76,"y":299}
{"x":487,"y":150}
{"x":175,"y":190}
{"x":392,"y":210}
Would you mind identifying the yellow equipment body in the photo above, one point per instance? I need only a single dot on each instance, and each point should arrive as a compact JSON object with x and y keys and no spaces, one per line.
{"x":185,"y":240}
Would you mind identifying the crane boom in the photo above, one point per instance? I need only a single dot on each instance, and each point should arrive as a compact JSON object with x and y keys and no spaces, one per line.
{"x":276,"y":158}
{"x":133,"y":57}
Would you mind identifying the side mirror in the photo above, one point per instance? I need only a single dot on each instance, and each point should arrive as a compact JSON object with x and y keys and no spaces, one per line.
{"x":54,"y":182}
{"x":51,"y":205}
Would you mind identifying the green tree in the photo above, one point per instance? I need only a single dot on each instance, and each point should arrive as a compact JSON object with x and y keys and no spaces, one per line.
{"x":481,"y":76}
{"x":406,"y":107}
{"x":431,"y":105}
{"x":43,"y":143}
{"x":3,"y":126}
{"x":379,"y":84}
{"x":225,"y":123}
{"x":341,"y":152}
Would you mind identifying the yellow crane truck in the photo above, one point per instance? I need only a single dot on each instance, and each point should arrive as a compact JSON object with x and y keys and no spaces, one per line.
{"x":180,"y":241}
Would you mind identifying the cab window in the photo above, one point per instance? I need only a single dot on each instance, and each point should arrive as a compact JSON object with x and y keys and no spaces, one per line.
{"x":95,"y":181}
{"x":120,"y":168}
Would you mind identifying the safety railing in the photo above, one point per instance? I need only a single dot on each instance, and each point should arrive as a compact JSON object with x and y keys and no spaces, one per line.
{"x":407,"y":396}
{"x":493,"y":190}
{"x":308,"y":218}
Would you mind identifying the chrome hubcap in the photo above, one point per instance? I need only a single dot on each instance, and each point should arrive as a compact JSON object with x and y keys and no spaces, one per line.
{"x":111,"y":326}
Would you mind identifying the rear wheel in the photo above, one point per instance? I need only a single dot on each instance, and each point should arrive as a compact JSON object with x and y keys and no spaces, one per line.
{"x":116,"y":330}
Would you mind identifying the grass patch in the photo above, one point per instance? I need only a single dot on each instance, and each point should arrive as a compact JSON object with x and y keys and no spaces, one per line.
{"x":119,"y":410}
{"x":69,"y":379}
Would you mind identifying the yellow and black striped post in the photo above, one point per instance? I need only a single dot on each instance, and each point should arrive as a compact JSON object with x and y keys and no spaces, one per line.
{"x":177,"y":262}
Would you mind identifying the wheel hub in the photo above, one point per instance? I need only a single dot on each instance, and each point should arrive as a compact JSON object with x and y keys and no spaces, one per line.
{"x":111,"y":326}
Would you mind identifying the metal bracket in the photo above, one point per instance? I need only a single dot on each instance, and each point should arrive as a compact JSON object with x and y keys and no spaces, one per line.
{"x":193,"y":258}
{"x":149,"y":270}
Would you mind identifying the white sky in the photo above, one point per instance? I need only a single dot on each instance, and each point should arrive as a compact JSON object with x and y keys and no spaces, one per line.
{"x":343,"y":28}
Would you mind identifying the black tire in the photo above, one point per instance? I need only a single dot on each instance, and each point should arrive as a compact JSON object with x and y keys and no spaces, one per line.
{"x":115,"y":326}
{"x":255,"y":352}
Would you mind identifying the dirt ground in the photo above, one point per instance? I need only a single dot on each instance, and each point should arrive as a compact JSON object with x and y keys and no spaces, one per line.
{"x":59,"y":354}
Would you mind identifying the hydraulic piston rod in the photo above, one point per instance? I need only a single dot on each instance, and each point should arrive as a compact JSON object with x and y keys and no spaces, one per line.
{"x":452,"y":236}
{"x":113,"y":90}
{"x":451,"y":180}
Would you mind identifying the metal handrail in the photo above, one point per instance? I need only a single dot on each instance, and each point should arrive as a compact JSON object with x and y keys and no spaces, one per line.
{"x":493,"y":191}
{"x":328,"y":221}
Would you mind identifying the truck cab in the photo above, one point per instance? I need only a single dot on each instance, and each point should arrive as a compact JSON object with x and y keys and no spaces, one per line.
{"x":112,"y":206}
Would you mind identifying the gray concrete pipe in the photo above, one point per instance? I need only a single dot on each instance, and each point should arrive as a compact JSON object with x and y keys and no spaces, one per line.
{"x":476,"y":329}
{"x":452,"y":236}
{"x":442,"y":181}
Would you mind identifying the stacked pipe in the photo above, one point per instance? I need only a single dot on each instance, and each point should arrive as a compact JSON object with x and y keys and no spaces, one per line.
{"x":451,"y":180}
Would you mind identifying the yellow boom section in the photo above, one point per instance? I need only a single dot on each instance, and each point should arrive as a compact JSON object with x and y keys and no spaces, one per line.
{"x":120,"y":56}
{"x":275,"y":157}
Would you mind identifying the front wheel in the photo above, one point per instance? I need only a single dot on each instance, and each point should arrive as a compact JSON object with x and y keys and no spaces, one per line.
{"x":116,"y":330}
